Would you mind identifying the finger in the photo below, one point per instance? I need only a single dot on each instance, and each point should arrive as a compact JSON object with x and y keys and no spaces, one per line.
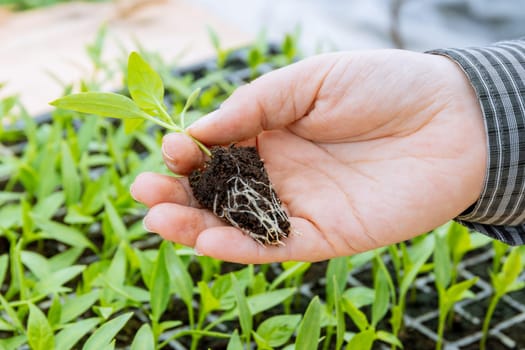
{"x":181,"y":154}
{"x":305,"y":243}
{"x":272,"y":101}
{"x":152,"y":189}
{"x":179,"y":223}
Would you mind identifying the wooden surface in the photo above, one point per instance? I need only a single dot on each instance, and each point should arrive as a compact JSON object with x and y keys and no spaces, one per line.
{"x":39,"y":44}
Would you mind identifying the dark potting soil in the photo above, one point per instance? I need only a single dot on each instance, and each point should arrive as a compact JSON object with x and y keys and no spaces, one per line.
{"x":234,"y":185}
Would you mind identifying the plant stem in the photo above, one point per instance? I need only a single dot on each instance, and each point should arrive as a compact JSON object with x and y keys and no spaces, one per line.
{"x":486,"y":322}
{"x":441,"y":329}
{"x":203,"y":148}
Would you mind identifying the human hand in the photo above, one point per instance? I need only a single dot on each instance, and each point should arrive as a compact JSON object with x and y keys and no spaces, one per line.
{"x":364,"y":149}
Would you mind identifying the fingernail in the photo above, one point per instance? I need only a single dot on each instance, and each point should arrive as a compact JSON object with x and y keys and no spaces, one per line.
{"x":164,"y":151}
{"x":131,"y":192}
{"x":145,"y":224}
{"x":196,"y":252}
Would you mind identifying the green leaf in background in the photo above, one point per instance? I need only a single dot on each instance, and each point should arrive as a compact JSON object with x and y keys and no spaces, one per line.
{"x":339,"y":316}
{"x":245,"y":316}
{"x":336,"y":274}
{"x":388,"y":338}
{"x":442,"y":263}
{"x":357,"y":316}
{"x":291,"y":269}
{"x":362,"y":341}
{"x":39,"y":333}
{"x":4,"y":262}
{"x":105,"y":334}
{"x":189,"y":103}
{"x":144,"y":339}
{"x":73,"y":333}
{"x":53,"y":283}
{"x":382,"y":296}
{"x":144,"y":84}
{"x":105,"y":104}
{"x":76,"y":305}
{"x":277,"y":330}
{"x":70,"y":178}
{"x":160,"y":284}
{"x":459,"y":292}
{"x":420,"y":252}
{"x":181,"y":280}
{"x":310,"y":328}
{"x":63,"y":233}
{"x":360,"y":296}
{"x":14,"y":319}
{"x":235,"y":342}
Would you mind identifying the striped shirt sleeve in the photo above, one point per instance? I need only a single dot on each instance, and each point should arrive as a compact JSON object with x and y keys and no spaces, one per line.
{"x":497,"y":74}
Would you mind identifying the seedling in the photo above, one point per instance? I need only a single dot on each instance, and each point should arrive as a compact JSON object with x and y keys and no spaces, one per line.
{"x":448,"y":293}
{"x":233,"y":183}
{"x":503,"y":282}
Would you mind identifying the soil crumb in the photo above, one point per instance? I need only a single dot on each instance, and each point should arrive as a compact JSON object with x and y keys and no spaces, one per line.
{"x":234,"y":185}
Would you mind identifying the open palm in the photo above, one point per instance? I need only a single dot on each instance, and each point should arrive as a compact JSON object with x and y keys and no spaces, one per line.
{"x":364,"y":149}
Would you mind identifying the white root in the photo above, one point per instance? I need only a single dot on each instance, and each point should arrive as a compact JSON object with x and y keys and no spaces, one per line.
{"x":242,"y":198}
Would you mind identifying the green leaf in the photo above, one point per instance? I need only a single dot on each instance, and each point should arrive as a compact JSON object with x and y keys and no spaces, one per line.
{"x":118,"y":267}
{"x":53,"y":282}
{"x":105,"y":104}
{"x":389,"y":338}
{"x":144,"y":340}
{"x":130,"y":125}
{"x":189,"y":103}
{"x":336,"y":274}
{"x":105,"y":334}
{"x":49,"y":205}
{"x":360,"y":296}
{"x":76,"y":305}
{"x":235,"y":342}
{"x":419,"y":253}
{"x":310,"y":328}
{"x":66,"y":258}
{"x":13,"y":343}
{"x":382,"y":297}
{"x":291,"y":269}
{"x":70,"y":178}
{"x":36,"y":263}
{"x":245,"y":316}
{"x":458,"y":292}
{"x":181,"y":280}
{"x":261,"y":302}
{"x":4,"y":262}
{"x":442,"y":263}
{"x":160,"y":288}
{"x":63,"y":233}
{"x":73,"y":333}
{"x":277,"y":330}
{"x":362,"y":340}
{"x":357,"y":316}
{"x":339,"y":316}
{"x":207,"y":300}
{"x":14,"y":319}
{"x":459,"y":241}
{"x":144,"y":84}
{"x":39,"y":333}
{"x":511,"y":270}
{"x":53,"y":314}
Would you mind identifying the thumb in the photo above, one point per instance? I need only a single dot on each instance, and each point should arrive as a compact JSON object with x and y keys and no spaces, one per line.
{"x":272,"y":101}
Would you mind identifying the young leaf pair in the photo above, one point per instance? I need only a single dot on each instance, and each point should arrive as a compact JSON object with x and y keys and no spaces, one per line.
{"x":146,"y":103}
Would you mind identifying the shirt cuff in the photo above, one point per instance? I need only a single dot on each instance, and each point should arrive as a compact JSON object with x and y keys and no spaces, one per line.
{"x":497,"y":74}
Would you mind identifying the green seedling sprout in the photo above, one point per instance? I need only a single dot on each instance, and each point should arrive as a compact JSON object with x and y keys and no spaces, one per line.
{"x":146,"y":103}
{"x":503,"y":282}
{"x":448,"y":293}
